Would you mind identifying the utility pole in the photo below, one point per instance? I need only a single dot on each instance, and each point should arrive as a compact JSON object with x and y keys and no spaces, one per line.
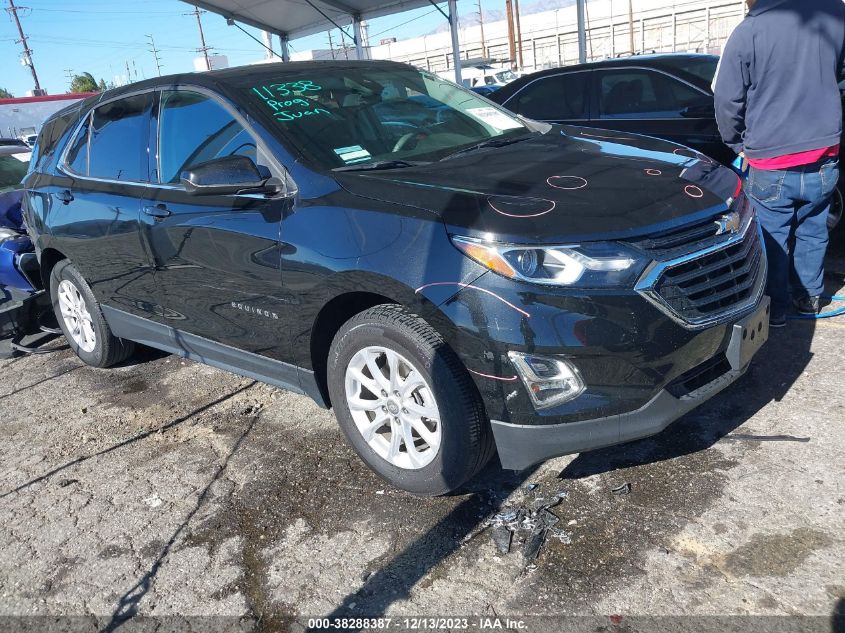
{"x":69,"y":75}
{"x":631,"y":24}
{"x":511,"y":39}
{"x":481,"y":25}
{"x":202,"y":49}
{"x":518,"y":34}
{"x":331,"y":44}
{"x":128,"y":75}
{"x":27,"y":52}
{"x":343,"y":45}
{"x":154,"y":51}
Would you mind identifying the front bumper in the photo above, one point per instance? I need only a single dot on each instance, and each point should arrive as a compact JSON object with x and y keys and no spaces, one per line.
{"x":520,"y":446}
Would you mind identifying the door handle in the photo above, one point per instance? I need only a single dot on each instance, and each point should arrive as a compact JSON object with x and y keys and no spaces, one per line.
{"x":65,"y":196}
{"x":157,"y":211}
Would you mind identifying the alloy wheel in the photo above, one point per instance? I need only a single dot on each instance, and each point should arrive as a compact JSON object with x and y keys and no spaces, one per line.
{"x":75,"y":314}
{"x":393,"y":407}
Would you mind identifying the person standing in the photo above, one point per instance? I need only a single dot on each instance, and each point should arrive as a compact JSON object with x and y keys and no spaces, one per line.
{"x":778,"y":104}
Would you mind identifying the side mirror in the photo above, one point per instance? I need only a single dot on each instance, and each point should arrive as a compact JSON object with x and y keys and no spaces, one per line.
{"x":229,"y":175}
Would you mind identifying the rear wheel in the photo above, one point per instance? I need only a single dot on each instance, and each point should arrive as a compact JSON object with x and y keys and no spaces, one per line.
{"x":406,"y":403}
{"x":82,"y":321}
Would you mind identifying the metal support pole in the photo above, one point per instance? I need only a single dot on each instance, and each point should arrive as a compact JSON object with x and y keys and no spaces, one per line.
{"x":674,"y":30}
{"x":283,"y":41}
{"x":642,"y":35}
{"x":557,"y":38}
{"x":582,"y":32}
{"x":359,"y":39}
{"x":456,"y":45}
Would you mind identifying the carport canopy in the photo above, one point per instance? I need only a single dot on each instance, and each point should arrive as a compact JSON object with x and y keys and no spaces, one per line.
{"x":291,"y":19}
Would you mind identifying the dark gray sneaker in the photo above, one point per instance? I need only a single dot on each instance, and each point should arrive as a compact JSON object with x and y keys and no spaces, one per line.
{"x":777,"y":320}
{"x":807,"y":305}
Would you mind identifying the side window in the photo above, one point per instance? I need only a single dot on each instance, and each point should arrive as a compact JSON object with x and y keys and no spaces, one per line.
{"x":193,"y":129}
{"x":117,"y":140}
{"x":636,"y":94}
{"x":553,"y":98}
{"x":77,"y":156}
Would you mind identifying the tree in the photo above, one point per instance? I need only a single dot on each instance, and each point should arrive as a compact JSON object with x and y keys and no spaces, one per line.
{"x":83,"y":83}
{"x":5,"y":94}
{"x":102,"y":85}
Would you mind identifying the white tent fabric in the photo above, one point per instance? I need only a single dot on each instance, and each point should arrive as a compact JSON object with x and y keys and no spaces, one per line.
{"x":290,"y":19}
{"x":298,"y":18}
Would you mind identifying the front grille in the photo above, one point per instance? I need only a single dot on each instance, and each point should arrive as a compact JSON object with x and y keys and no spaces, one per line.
{"x":688,"y":238}
{"x":702,"y":289}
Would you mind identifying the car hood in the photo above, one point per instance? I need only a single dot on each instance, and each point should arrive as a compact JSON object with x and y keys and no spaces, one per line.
{"x":568,"y":184}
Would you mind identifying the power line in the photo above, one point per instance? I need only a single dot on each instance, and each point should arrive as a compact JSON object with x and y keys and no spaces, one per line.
{"x":27,"y":52}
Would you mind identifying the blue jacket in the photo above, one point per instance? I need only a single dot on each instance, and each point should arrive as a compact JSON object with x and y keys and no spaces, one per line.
{"x":776,"y":89}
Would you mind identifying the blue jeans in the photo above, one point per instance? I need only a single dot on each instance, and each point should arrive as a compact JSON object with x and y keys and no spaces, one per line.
{"x":793,"y":206}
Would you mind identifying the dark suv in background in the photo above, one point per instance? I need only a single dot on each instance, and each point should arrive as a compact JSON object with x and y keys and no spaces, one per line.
{"x":668,"y":96}
{"x":451,"y":278}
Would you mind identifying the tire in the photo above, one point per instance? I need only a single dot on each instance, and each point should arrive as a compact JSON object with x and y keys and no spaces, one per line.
{"x":94,"y":342}
{"x":465,"y":442}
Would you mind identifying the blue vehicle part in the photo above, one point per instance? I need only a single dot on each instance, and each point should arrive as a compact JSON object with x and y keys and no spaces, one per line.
{"x":22,"y":302}
{"x":17,"y":263}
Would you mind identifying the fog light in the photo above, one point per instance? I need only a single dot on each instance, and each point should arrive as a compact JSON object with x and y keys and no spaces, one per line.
{"x":550,"y":381}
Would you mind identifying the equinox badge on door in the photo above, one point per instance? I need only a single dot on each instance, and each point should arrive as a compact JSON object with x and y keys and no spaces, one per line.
{"x":248,"y":308}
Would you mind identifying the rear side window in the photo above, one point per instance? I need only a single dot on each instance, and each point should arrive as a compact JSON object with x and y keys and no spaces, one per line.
{"x":112,"y":143}
{"x":553,"y":98}
{"x":636,"y":94}
{"x":193,"y":129}
{"x":77,"y":156}
{"x":703,"y":68}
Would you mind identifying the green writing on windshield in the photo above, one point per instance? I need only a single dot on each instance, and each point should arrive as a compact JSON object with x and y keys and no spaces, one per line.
{"x":286,"y":99}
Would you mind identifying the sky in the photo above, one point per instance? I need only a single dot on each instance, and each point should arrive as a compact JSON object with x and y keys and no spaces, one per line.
{"x":102,"y":36}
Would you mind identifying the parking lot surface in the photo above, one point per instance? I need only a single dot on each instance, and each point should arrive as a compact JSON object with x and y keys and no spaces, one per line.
{"x":165,"y":487}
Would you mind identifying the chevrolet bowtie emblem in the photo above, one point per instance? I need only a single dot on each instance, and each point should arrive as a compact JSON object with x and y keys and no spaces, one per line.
{"x":728,"y":223}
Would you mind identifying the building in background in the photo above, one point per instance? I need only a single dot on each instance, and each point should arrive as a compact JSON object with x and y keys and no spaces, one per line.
{"x":23,"y":116}
{"x":550,"y":37}
{"x":218,"y":62}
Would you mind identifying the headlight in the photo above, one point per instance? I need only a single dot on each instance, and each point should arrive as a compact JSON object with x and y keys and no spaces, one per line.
{"x":591,"y":265}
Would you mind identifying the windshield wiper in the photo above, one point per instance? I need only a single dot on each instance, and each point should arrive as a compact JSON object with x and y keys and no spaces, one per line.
{"x":493,"y":142}
{"x":381,"y":164}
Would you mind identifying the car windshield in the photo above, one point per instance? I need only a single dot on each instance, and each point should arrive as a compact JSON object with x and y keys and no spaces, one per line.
{"x":506,"y":76}
{"x":13,"y":168}
{"x":338,"y":117}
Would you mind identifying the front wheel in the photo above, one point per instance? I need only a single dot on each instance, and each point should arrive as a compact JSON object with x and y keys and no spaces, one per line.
{"x":82,"y":321}
{"x":406,"y":403}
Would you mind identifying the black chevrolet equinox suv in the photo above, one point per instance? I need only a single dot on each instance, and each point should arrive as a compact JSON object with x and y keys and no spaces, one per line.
{"x":453,"y":279}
